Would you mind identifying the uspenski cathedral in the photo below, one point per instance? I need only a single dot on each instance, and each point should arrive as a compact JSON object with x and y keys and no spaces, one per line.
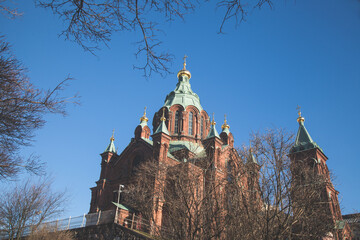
{"x":183,"y":130}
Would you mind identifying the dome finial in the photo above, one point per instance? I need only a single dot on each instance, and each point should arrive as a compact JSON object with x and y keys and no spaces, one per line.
{"x":225,"y":125}
{"x":184,"y":62}
{"x":213,"y":120}
{"x":144,"y":118}
{"x":163,"y":116}
{"x":300,"y":118}
{"x":112,"y":136}
{"x":184,"y":71}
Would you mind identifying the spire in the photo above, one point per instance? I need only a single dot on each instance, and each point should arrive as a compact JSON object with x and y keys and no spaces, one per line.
{"x":251,"y":158}
{"x":111,"y":147}
{"x":225,"y":127}
{"x":303,"y":139}
{"x":144,"y":119}
{"x":162,"y":126}
{"x":213,"y":132}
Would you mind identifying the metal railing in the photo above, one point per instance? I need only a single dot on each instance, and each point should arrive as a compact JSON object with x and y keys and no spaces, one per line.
{"x":101,"y":217}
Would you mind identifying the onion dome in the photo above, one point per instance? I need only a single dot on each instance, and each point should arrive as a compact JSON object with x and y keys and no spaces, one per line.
{"x":144,"y":119}
{"x":183,"y":94}
{"x":225,"y":127}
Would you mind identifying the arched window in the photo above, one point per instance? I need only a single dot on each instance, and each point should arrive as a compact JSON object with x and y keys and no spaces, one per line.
{"x":191,"y":123}
{"x":202,"y":127}
{"x":176,"y":125}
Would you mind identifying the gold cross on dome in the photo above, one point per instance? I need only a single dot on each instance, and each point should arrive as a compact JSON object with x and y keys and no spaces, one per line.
{"x":185,"y":61}
{"x":299,"y":110}
{"x":112,"y":136}
{"x":145,"y":112}
{"x":163,"y":115}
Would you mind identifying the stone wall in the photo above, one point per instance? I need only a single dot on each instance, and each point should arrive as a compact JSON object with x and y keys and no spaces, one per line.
{"x":109,"y":231}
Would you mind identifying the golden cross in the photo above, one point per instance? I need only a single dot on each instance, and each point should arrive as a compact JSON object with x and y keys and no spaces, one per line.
{"x":163,"y":115}
{"x":224,"y":118}
{"x":213,"y":120}
{"x":112,"y":136}
{"x":299,"y":110}
{"x":185,"y":61}
{"x":145,"y":112}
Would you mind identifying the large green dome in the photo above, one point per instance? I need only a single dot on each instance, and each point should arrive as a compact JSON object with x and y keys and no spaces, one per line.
{"x":183,"y":95}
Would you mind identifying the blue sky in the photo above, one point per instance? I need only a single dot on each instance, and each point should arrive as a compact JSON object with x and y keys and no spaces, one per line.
{"x":299,"y":53}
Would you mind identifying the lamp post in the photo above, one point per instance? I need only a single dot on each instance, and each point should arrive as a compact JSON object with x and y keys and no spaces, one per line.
{"x":118,"y":201}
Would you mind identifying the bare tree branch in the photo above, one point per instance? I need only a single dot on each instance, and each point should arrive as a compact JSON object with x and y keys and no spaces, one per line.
{"x":9,"y":11}
{"x":29,"y":204}
{"x":22,"y":108}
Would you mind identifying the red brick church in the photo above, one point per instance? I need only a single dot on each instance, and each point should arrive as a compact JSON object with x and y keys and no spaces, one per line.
{"x":183,"y":130}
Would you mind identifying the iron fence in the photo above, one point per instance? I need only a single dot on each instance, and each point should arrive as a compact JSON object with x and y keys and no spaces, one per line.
{"x":101,"y":217}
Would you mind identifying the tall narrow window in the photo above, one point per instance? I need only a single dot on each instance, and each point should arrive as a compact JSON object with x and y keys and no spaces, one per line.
{"x":202,"y":127}
{"x":176,"y":125}
{"x":191,"y":123}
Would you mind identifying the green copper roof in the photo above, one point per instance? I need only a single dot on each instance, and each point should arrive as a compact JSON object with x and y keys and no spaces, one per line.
{"x":303,"y":140}
{"x":183,"y":95}
{"x":192,"y":147}
{"x":143,"y":123}
{"x":213,"y":132}
{"x":121,"y":206}
{"x":162,"y":128}
{"x":111,"y":147}
{"x":226,"y":130}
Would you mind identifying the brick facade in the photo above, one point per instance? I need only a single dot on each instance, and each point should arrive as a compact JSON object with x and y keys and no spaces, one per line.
{"x":181,"y":131}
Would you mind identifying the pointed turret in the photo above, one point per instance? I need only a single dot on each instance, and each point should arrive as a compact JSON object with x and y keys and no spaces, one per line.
{"x":106,"y":157}
{"x":213,"y":132}
{"x":161,"y":142}
{"x":309,"y":168}
{"x":212,"y":145}
{"x":303,"y":139}
{"x":253,"y":169}
{"x":162,"y":126}
{"x":111,"y":147}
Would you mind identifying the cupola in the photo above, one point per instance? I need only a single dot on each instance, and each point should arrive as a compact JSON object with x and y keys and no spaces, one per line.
{"x":142,"y":130}
{"x":183,"y":94}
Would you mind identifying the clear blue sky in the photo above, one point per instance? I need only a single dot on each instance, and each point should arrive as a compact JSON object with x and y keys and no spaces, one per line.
{"x":300,"y":53}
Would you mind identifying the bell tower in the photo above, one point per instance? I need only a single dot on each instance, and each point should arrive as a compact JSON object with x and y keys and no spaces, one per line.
{"x":308,"y":168}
